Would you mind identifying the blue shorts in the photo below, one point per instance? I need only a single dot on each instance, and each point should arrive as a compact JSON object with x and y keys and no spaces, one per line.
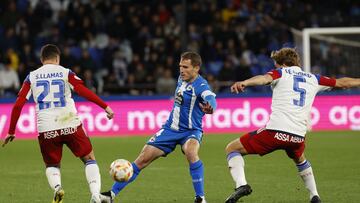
{"x":166,"y":139}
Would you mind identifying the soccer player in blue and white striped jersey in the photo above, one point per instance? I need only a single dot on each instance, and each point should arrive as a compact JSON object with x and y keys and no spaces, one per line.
{"x":193,"y":99}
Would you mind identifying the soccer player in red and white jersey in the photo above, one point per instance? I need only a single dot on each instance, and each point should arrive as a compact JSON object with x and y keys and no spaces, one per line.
{"x":293,"y":95}
{"x":57,"y":121}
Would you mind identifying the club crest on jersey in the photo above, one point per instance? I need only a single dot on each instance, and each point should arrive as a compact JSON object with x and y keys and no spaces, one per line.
{"x":48,"y":75}
{"x":189,"y":88}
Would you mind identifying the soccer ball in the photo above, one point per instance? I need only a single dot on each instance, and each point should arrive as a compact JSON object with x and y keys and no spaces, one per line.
{"x":121,"y":170}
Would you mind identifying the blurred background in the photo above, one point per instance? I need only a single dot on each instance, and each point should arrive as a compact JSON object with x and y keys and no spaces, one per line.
{"x":132,"y":47}
{"x":127,"y":51}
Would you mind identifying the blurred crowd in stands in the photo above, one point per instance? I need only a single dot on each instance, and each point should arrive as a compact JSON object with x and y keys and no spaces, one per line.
{"x":133,"y":47}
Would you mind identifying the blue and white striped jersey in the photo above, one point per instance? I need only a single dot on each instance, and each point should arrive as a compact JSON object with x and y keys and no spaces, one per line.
{"x":186,"y":113}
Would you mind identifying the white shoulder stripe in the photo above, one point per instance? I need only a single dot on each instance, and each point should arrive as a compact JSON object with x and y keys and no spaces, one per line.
{"x":207,"y":93}
{"x":28,"y":94}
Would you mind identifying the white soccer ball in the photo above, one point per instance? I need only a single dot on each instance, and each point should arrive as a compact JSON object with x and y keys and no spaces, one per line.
{"x":121,"y":170}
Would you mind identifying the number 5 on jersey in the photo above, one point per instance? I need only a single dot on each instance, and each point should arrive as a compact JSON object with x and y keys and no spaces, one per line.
{"x":298,"y":79}
{"x":60,"y":94}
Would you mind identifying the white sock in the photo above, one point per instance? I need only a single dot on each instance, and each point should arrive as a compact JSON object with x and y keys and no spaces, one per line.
{"x":236,"y":165}
{"x":54,"y":177}
{"x":93,"y":176}
{"x":307,"y":176}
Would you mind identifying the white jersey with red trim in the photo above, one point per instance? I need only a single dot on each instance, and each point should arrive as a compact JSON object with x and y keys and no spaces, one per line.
{"x":294,"y":92}
{"x":51,"y":90}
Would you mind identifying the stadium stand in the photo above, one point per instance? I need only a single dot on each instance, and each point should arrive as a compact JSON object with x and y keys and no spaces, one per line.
{"x":129,"y":47}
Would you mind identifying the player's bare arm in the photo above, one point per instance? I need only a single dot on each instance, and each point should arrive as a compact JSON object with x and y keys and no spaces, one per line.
{"x":83,"y":91}
{"x":254,"y":81}
{"x":91,"y":96}
{"x":347,"y":82}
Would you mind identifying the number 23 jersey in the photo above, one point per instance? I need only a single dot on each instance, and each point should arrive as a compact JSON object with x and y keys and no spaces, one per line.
{"x":51,"y":87}
{"x":294,"y":92}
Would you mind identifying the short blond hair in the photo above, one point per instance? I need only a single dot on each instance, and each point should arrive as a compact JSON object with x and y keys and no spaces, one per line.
{"x":286,"y":56}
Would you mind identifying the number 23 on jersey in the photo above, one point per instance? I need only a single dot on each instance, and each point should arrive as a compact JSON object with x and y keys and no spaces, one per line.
{"x":59,"y":97}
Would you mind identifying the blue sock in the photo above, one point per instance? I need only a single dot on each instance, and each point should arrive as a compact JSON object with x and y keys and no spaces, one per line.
{"x":304,"y":165}
{"x":197,"y":175}
{"x":118,"y":186}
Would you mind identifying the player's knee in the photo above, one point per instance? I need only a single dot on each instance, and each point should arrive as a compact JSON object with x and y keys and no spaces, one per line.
{"x":227,"y":148}
{"x":230,"y":148}
{"x":235,"y":146}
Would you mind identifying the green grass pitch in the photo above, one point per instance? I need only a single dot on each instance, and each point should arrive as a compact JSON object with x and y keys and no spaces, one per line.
{"x":333,"y":155}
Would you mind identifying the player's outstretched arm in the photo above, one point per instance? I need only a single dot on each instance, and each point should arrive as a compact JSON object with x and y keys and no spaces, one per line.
{"x":254,"y":81}
{"x":347,"y":82}
{"x":83,"y":91}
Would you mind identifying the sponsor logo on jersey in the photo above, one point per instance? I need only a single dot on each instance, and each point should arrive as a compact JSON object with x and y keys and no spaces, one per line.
{"x":48,"y":75}
{"x":288,"y":138}
{"x":55,"y":133}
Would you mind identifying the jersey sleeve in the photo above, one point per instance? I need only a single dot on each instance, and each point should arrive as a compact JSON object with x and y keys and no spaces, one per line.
{"x":204,"y":90}
{"x":206,"y":94}
{"x":23,"y":96}
{"x":275,"y":73}
{"x":74,"y":80}
{"x":325,"y":81}
{"x":25,"y":90}
{"x":78,"y":86}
